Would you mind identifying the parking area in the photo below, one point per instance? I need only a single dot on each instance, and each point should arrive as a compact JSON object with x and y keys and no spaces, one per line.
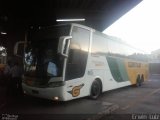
{"x":124,"y":101}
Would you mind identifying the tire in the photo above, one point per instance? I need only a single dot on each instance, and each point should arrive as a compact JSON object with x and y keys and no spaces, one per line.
{"x":142,"y":78}
{"x":138,"y":81}
{"x":96,"y":89}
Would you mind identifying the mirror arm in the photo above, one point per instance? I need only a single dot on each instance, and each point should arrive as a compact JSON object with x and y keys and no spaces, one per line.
{"x":64,"y":42}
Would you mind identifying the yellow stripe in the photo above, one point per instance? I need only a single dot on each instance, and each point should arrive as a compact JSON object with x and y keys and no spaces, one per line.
{"x":134,"y":70}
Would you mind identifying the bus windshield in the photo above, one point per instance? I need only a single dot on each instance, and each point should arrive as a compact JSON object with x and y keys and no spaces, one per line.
{"x":41,"y":58}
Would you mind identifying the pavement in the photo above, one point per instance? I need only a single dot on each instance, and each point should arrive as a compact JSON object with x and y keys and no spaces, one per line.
{"x":82,"y":109}
{"x":130,"y":100}
{"x":2,"y":97}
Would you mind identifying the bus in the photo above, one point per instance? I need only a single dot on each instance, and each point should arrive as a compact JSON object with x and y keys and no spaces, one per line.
{"x":70,"y":61}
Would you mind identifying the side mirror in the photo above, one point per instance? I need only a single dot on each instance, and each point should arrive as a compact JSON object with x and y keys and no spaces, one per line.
{"x":19,"y":48}
{"x":63,"y":45}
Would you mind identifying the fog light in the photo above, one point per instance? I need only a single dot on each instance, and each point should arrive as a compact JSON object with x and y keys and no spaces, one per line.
{"x":56,"y":98}
{"x":24,"y":92}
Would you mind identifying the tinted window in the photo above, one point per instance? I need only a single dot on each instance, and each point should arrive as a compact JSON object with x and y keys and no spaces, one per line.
{"x":41,"y":53}
{"x":120,"y":49}
{"x":99,"y":44}
{"x":78,"y":53}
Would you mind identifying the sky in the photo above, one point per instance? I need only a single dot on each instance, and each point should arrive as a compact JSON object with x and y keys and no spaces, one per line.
{"x":140,"y":27}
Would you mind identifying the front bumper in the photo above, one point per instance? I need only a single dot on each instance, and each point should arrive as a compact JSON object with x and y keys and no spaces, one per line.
{"x":46,"y":93}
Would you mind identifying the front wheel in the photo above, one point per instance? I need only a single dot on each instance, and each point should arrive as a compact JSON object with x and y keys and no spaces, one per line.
{"x":142,"y":78}
{"x":95,"y":89}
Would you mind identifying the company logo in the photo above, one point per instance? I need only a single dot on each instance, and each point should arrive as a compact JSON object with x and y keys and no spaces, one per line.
{"x":76,"y":90}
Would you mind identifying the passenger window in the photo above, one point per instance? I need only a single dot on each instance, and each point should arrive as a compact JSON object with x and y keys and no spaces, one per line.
{"x":78,"y":53}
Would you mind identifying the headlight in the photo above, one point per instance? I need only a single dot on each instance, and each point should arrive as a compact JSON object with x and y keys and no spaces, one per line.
{"x":56,"y":84}
{"x":55,"y":98}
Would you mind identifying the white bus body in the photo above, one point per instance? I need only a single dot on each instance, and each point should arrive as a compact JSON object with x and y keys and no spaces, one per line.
{"x":89,"y":63}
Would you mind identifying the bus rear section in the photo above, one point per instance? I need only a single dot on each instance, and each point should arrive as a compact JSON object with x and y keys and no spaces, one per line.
{"x":115,"y":63}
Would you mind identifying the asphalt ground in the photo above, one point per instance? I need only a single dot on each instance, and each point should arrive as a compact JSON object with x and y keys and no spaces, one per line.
{"x":31,"y":108}
{"x":136,"y":103}
{"x":123,"y":103}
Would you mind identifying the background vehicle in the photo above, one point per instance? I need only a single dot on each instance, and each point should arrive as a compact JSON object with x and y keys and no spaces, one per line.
{"x":3,"y":59}
{"x":87,"y":63}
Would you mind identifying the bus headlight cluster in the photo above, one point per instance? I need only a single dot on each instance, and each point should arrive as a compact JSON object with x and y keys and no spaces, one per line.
{"x":56,"y":98}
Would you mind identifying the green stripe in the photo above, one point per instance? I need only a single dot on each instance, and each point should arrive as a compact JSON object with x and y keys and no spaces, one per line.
{"x":117,"y":68}
{"x":122,"y":69}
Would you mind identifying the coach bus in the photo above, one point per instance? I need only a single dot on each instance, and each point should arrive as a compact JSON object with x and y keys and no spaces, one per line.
{"x":66,"y":62}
